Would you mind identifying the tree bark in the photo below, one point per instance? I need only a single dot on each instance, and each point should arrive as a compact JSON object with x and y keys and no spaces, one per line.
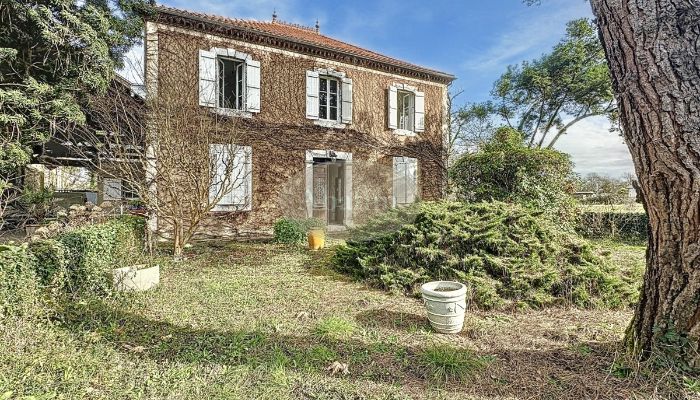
{"x":653,"y":48}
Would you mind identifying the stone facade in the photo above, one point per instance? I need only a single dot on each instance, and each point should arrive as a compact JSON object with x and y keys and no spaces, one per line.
{"x":283,"y":139}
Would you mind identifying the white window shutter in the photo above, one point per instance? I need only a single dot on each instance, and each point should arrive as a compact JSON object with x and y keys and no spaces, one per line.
{"x":399,"y":181}
{"x":249,"y":178}
{"x":217,"y":156}
{"x":405,"y":180}
{"x":419,"y":112}
{"x":239,"y":183}
{"x":392,"y":107}
{"x":346,"y":111}
{"x":241,"y":178}
{"x":394,"y":185}
{"x":411,"y":179}
{"x":252,"y":85}
{"x":111,"y":189}
{"x":207,"y":78}
{"x":311,"y":94}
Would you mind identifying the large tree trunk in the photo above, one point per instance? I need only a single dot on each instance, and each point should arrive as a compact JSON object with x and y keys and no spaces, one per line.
{"x":653,"y":48}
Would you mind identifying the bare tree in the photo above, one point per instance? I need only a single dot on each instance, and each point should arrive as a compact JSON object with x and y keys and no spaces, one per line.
{"x":469,"y":126}
{"x":182,"y":160}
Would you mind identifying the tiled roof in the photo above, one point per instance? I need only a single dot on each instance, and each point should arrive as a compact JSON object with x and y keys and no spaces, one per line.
{"x":302,"y":35}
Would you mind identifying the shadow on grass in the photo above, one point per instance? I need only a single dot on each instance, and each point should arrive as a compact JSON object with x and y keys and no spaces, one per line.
{"x":398,"y":320}
{"x":166,"y":342}
{"x":555,"y":373}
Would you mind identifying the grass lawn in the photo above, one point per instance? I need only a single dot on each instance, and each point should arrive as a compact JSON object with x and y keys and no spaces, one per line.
{"x":262,"y":321}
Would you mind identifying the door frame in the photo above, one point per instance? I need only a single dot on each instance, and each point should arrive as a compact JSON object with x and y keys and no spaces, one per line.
{"x":338,"y":155}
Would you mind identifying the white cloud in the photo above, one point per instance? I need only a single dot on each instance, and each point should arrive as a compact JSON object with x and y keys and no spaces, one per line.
{"x":594,"y":149}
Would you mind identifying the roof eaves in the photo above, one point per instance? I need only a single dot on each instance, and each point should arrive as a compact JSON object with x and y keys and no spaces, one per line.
{"x":394,"y":62}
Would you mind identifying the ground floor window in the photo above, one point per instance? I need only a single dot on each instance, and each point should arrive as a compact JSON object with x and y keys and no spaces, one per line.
{"x":405,"y":180}
{"x":232,"y":181}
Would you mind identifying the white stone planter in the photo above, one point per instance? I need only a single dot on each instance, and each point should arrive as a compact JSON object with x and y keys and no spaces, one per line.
{"x":445,"y":302}
{"x":135,"y":278}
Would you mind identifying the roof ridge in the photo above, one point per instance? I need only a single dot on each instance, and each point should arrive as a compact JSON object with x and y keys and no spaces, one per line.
{"x":210,"y":15}
{"x":291,"y":24}
{"x":234,"y":19}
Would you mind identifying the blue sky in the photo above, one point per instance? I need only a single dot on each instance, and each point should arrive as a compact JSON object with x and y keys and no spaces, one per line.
{"x":474,"y":40}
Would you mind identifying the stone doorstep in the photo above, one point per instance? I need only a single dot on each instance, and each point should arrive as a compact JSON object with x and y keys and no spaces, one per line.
{"x":135,"y":279}
{"x":336,"y":228}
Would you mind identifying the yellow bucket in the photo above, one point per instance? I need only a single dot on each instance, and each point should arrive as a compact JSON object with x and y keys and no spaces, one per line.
{"x":317,"y":239}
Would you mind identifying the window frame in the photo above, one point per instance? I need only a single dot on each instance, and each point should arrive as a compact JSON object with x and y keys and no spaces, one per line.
{"x":405,"y":114}
{"x":239,"y":83}
{"x":327,"y":105}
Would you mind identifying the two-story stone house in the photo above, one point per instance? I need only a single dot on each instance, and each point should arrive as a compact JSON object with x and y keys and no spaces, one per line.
{"x":335,"y":131}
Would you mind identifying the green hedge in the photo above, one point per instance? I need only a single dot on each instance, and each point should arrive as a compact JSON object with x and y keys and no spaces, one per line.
{"x":601,"y":224}
{"x":74,"y":263}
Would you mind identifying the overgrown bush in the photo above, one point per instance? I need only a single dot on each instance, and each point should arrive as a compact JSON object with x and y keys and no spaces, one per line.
{"x":74,"y":263}
{"x":293,"y":231}
{"x":389,"y":221}
{"x":505,"y":169}
{"x":50,"y":264}
{"x":19,"y":289}
{"x":93,"y":250}
{"x":36,"y":204}
{"x":506,"y":253}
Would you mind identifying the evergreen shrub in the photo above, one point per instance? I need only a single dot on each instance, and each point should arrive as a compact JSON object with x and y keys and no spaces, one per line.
{"x":507,"y":254}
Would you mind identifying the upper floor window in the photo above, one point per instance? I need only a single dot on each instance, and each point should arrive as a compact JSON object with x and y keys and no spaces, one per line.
{"x":231,"y":85}
{"x":229,"y":80}
{"x":328,"y":98}
{"x":405,"y":109}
